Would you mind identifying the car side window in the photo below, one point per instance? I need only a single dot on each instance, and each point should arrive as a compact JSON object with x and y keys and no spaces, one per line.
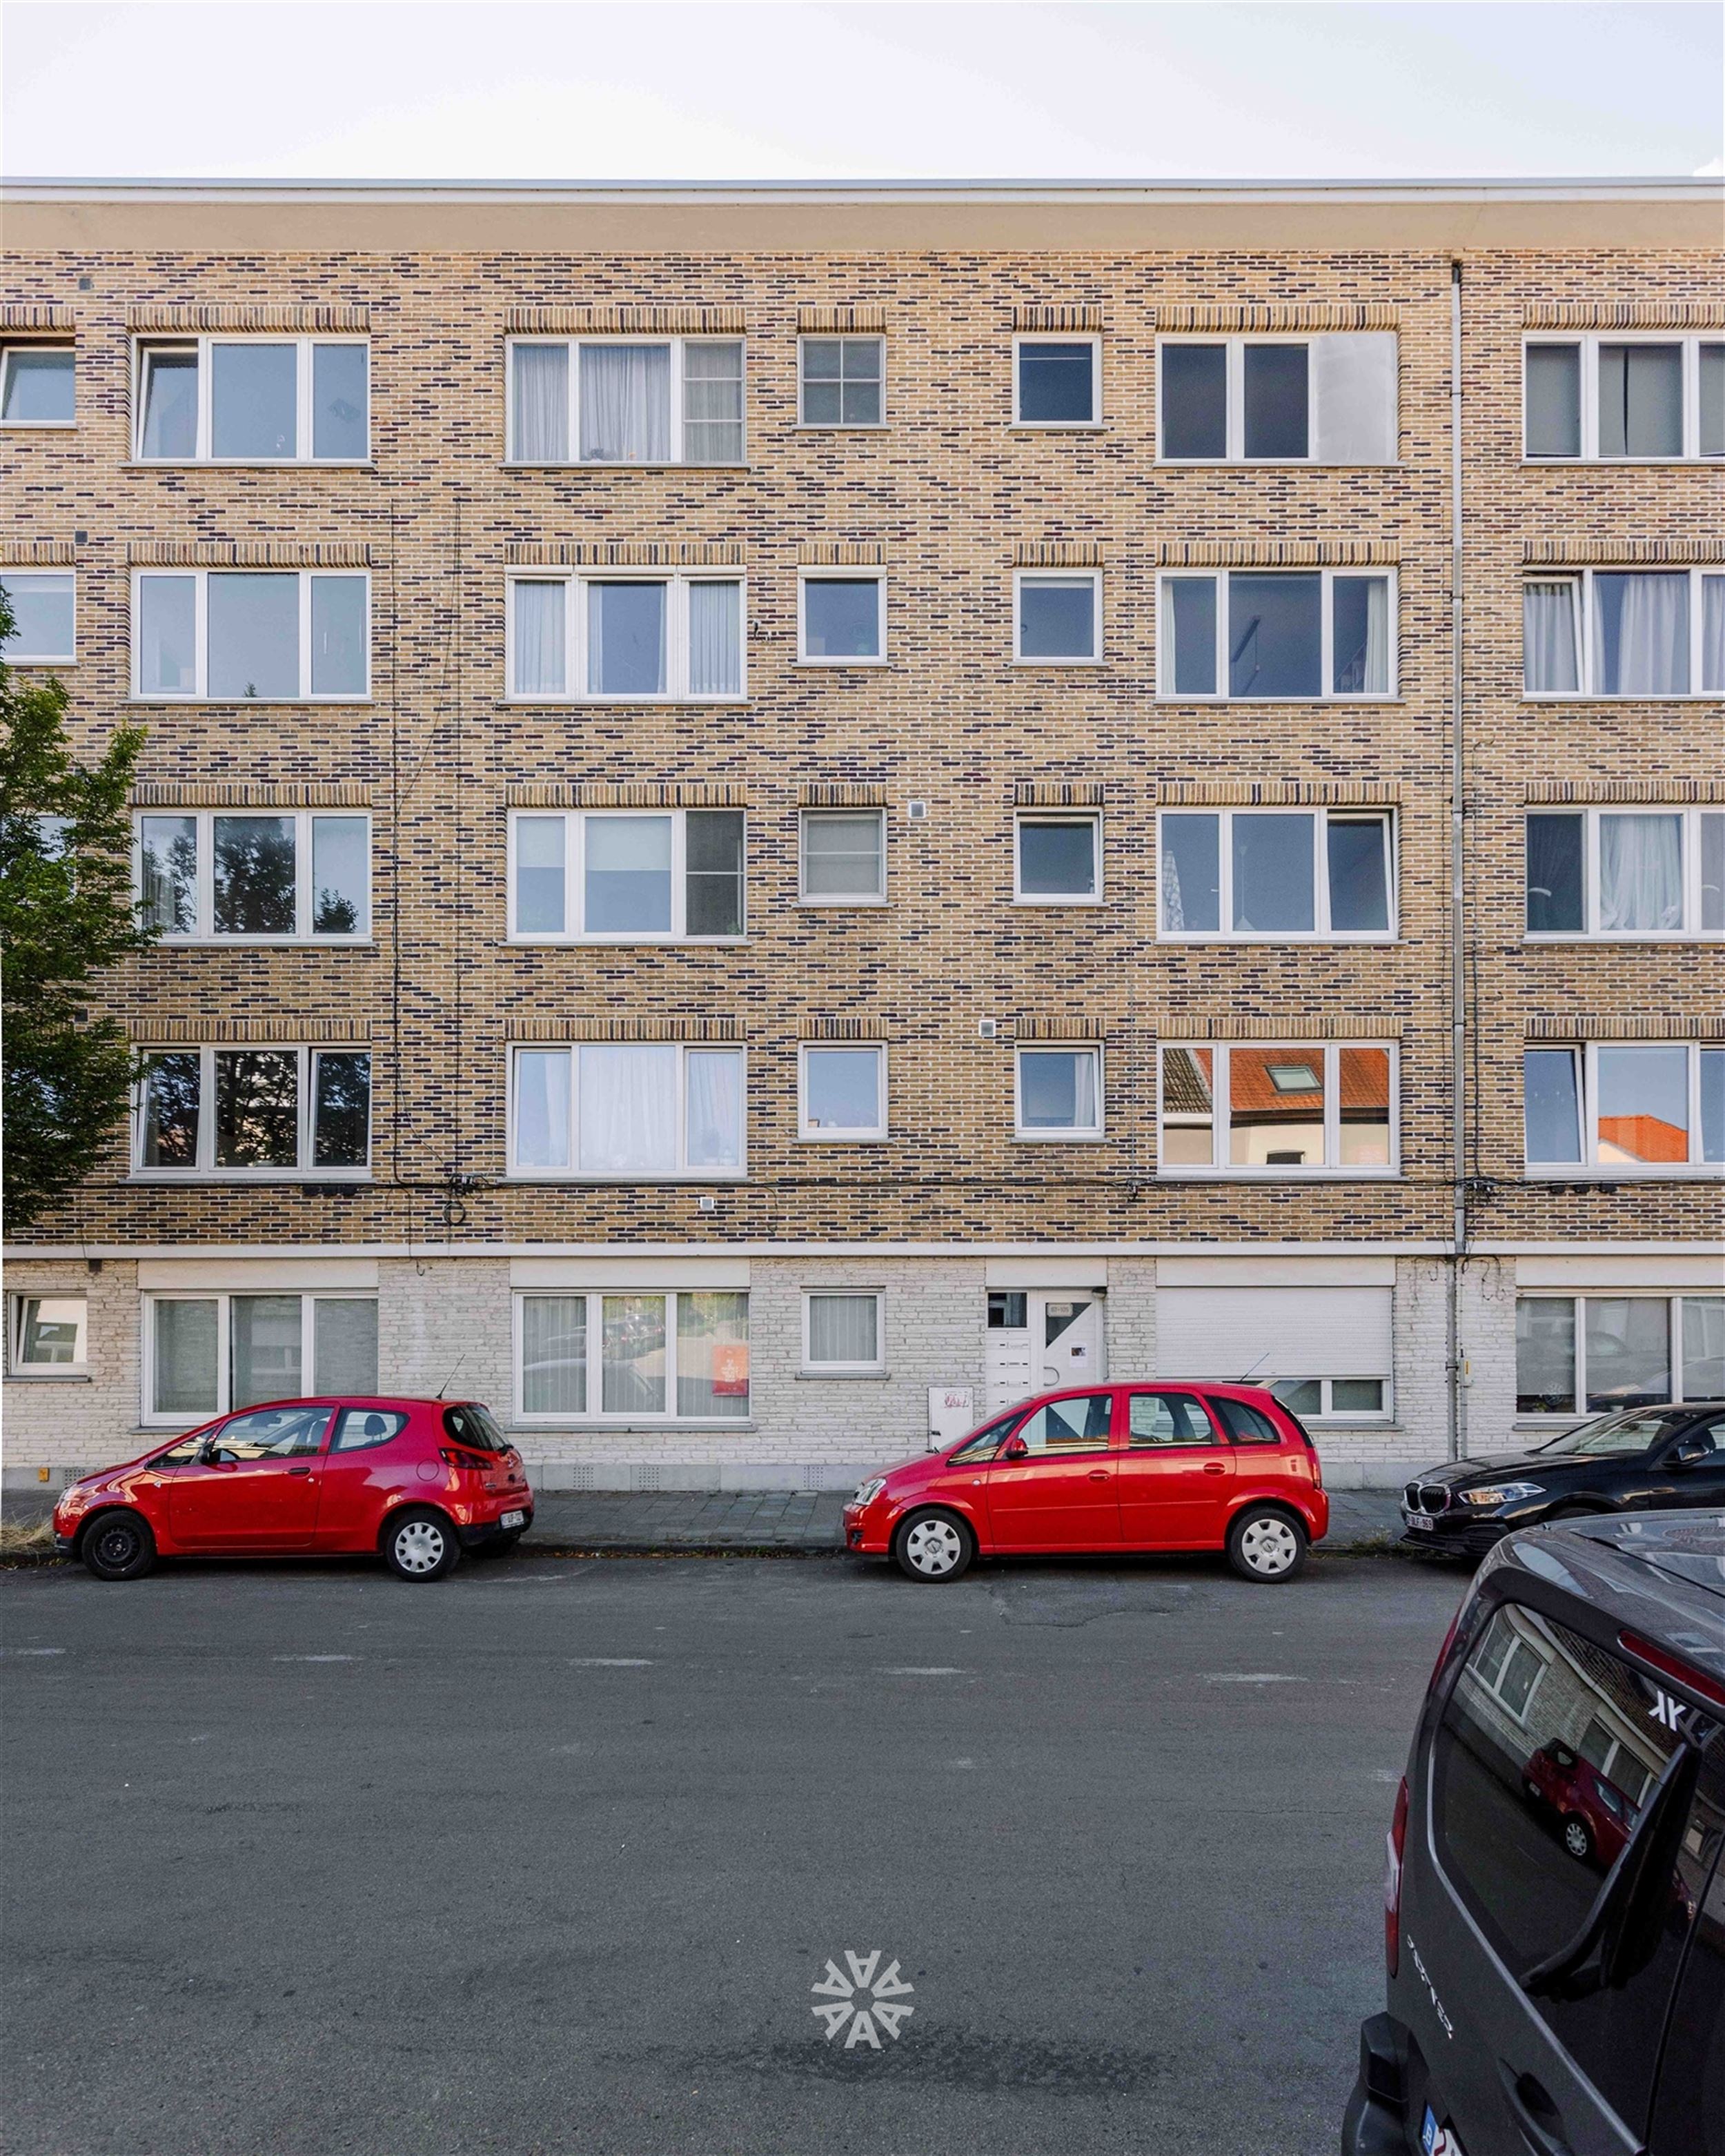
{"x":272,"y":1433}
{"x":1708,"y":1437}
{"x":1243,"y":1423}
{"x":1548,"y":1755}
{"x":1079,"y":1425}
{"x":188,"y":1449}
{"x":1167,"y":1419}
{"x":985,"y":1442}
{"x":358,"y":1429}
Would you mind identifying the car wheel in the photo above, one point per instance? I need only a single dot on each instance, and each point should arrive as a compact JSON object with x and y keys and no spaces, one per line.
{"x":118,"y":1546}
{"x":933,"y":1547}
{"x":1266,"y":1544}
{"x":1578,"y":1838}
{"x":421,"y":1544}
{"x":498,"y":1546}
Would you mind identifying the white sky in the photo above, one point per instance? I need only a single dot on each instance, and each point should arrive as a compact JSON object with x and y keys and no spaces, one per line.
{"x":658,"y":88}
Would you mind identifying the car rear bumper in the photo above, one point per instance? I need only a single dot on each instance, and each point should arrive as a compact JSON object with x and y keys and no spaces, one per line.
{"x":479,"y":1532}
{"x":1375,"y":2123}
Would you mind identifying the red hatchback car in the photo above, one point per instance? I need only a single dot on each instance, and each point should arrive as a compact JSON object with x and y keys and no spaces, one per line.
{"x":1105,"y":1469}
{"x":418,"y":1481}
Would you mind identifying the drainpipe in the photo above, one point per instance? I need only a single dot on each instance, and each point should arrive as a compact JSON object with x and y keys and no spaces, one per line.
{"x":1458,"y":945}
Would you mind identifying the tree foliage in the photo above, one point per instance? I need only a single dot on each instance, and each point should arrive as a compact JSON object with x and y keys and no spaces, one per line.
{"x":66,"y":918}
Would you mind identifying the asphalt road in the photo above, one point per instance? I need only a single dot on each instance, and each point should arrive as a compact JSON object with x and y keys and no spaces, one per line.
{"x":549,"y":1855}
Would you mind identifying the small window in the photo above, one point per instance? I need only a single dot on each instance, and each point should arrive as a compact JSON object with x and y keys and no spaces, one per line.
{"x":1056,"y":381}
{"x":842,"y":1331}
{"x":843,"y":620}
{"x":843,"y":1092}
{"x":48,"y":1332}
{"x":1058,"y":861}
{"x":626,"y":400}
{"x":1277,"y":875}
{"x":1295,"y":636}
{"x":254,"y":1113}
{"x":37,"y":385}
{"x":844,"y":856}
{"x":1659,"y":396}
{"x":615,"y":875}
{"x":843,"y":381}
{"x":1060,"y":1092}
{"x":1645,"y":1108}
{"x":44,"y":604}
{"x":361,"y":1430}
{"x":1329,"y":1400}
{"x":1009,"y":1309}
{"x":1624,"y":633}
{"x":253,"y":400}
{"x":274,"y":636}
{"x":1162,"y":1420}
{"x":627,"y":1111}
{"x":625,"y":638}
{"x":1328,"y":400}
{"x":1080,"y":1423}
{"x":1307,"y":1109}
{"x":1639,"y":873}
{"x":1058,"y":620}
{"x":298,"y":876}
{"x":204,"y":1355}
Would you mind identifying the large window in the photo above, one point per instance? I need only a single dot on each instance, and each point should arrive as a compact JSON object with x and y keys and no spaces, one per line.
{"x":1057,"y":382}
{"x":1059,"y":1093}
{"x":288,"y":876}
{"x":586,"y":1356}
{"x":1624,"y":633}
{"x":1292,"y":634}
{"x":628,"y":1111}
{"x":626,"y":400}
{"x":844,"y":1090}
{"x":841,"y":380}
{"x":207,"y":1354}
{"x":253,"y":400}
{"x":1057,"y":860}
{"x":620,"y":875}
{"x":36,"y":385}
{"x":254,"y":1113}
{"x":1578,"y":1354}
{"x":48,"y":1332}
{"x":1639,"y":1108}
{"x":1309,"y":1109}
{"x":1625,"y":872}
{"x":1327,"y":400}
{"x":841,"y":619}
{"x":1057,"y":617}
{"x":843,"y":857}
{"x":44,"y":613}
{"x":1656,"y":395}
{"x":1278,"y":875}
{"x":625,"y":638}
{"x":843,"y":1332}
{"x":240,"y":635}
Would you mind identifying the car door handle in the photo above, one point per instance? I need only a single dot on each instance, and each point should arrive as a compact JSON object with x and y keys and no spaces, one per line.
{"x":1098,"y":1474}
{"x":1540,"y":2121}
{"x":299,"y":1471}
{"x":1215,"y":1467}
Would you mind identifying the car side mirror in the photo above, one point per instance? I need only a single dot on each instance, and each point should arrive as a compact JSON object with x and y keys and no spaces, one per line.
{"x":211,"y":1455}
{"x":1691,"y":1453}
{"x":1014,"y":1449}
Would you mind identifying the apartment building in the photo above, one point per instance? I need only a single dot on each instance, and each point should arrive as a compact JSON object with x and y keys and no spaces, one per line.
{"x":777,"y":814}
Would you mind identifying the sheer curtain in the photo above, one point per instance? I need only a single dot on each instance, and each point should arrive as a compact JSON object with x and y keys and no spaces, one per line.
{"x":1084,"y":1091}
{"x":1712,"y":633}
{"x":542,"y":1107}
{"x":1640,"y":872}
{"x":541,"y":613}
{"x":1650,"y":653}
{"x":626,"y":403}
{"x":1549,"y":656}
{"x":627,"y":1108}
{"x":1377,"y":680}
{"x":714,"y":1107}
{"x":554,"y":1354}
{"x":715,"y":639}
{"x":542,"y":404}
{"x":844,"y":1328}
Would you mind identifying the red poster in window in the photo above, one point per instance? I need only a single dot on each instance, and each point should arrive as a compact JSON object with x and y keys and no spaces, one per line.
{"x":730,"y":1368}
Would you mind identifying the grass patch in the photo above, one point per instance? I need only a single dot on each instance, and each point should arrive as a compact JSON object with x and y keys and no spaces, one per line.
{"x":26,"y":1538}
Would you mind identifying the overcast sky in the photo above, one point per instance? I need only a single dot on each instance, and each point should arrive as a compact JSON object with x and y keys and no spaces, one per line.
{"x":319,"y":88}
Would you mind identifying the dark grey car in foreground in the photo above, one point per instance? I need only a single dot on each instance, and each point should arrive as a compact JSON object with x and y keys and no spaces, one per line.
{"x":1554,"y":1903}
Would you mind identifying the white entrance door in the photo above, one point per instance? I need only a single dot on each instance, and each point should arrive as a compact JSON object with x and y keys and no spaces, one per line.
{"x":1040,"y":1340}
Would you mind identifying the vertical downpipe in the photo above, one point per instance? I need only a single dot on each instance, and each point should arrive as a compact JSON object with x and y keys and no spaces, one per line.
{"x":1458,"y":944}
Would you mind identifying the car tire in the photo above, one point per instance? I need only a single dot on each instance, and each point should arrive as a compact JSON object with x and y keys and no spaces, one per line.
{"x":421,"y":1544}
{"x":118,"y":1545}
{"x":1267,"y":1545}
{"x":498,"y":1545}
{"x":1577,"y":1837}
{"x":933,"y":1548}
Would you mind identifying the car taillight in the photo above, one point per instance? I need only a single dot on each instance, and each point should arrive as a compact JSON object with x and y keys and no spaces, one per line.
{"x":1395,"y":1843}
{"x":469,"y":1463}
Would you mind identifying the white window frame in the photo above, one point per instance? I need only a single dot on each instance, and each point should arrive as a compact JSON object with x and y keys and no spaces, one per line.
{"x":810,"y":1368}
{"x":1093,"y":578}
{"x":677,"y":583}
{"x":1040,"y":1134}
{"x":1321,"y":931}
{"x":1590,"y":818}
{"x":595,"y":1413}
{"x":575,"y":822}
{"x":1590,"y":1168}
{"x":304,"y":405}
{"x":576,"y":462}
{"x":205,"y":821}
{"x":1093,"y":819}
{"x":820,"y":1134}
{"x":1587,"y":655}
{"x":10,"y":577}
{"x":199,"y":692}
{"x":8,"y":347}
{"x":1589,"y":341}
{"x":681,"y":1172}
{"x":206,"y":1169}
{"x":1097,"y":421}
{"x":805,"y":578}
{"x":1347,"y":1418}
{"x":804,"y":895}
{"x":1166,"y":692}
{"x":841,"y":426}
{"x":151,"y":1418}
{"x":1223,"y":1170}
{"x":16,"y":1364}
{"x":1556,"y":1418}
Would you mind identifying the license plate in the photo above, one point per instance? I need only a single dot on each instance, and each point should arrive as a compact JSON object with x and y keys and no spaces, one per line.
{"x":513,"y":1520}
{"x":1435,"y":2140}
{"x":1419,"y":1520}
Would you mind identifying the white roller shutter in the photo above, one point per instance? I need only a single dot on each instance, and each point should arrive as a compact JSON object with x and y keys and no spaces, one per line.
{"x":1355,"y":385}
{"x":1265,"y":1332}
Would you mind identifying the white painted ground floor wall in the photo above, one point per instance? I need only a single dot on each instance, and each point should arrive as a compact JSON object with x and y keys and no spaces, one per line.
{"x":454,"y":1323}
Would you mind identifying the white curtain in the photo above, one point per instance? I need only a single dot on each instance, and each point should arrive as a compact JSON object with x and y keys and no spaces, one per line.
{"x":1713,"y":634}
{"x":1377,"y":679}
{"x":844,"y":1328}
{"x":1653,"y":636}
{"x":1550,"y":658}
{"x":541,"y":615}
{"x":715,"y":639}
{"x":554,"y":1354}
{"x":714,"y":1108}
{"x":1640,"y":872}
{"x":542,"y":1107}
{"x":626,"y":403}
{"x":627,"y":1108}
{"x":1084,"y":1091}
{"x":542,"y":404}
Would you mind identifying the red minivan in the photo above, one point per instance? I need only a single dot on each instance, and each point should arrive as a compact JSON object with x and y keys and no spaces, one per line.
{"x":418,"y":1481}
{"x":1102,"y":1469}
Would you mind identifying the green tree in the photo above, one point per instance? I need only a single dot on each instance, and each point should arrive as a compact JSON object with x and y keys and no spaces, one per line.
{"x":66,"y":916}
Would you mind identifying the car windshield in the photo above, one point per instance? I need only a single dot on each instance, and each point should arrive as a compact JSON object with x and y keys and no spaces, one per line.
{"x":1614,"y":1433}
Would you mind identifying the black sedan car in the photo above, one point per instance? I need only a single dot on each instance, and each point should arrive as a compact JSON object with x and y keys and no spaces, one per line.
{"x":1639,"y":1459}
